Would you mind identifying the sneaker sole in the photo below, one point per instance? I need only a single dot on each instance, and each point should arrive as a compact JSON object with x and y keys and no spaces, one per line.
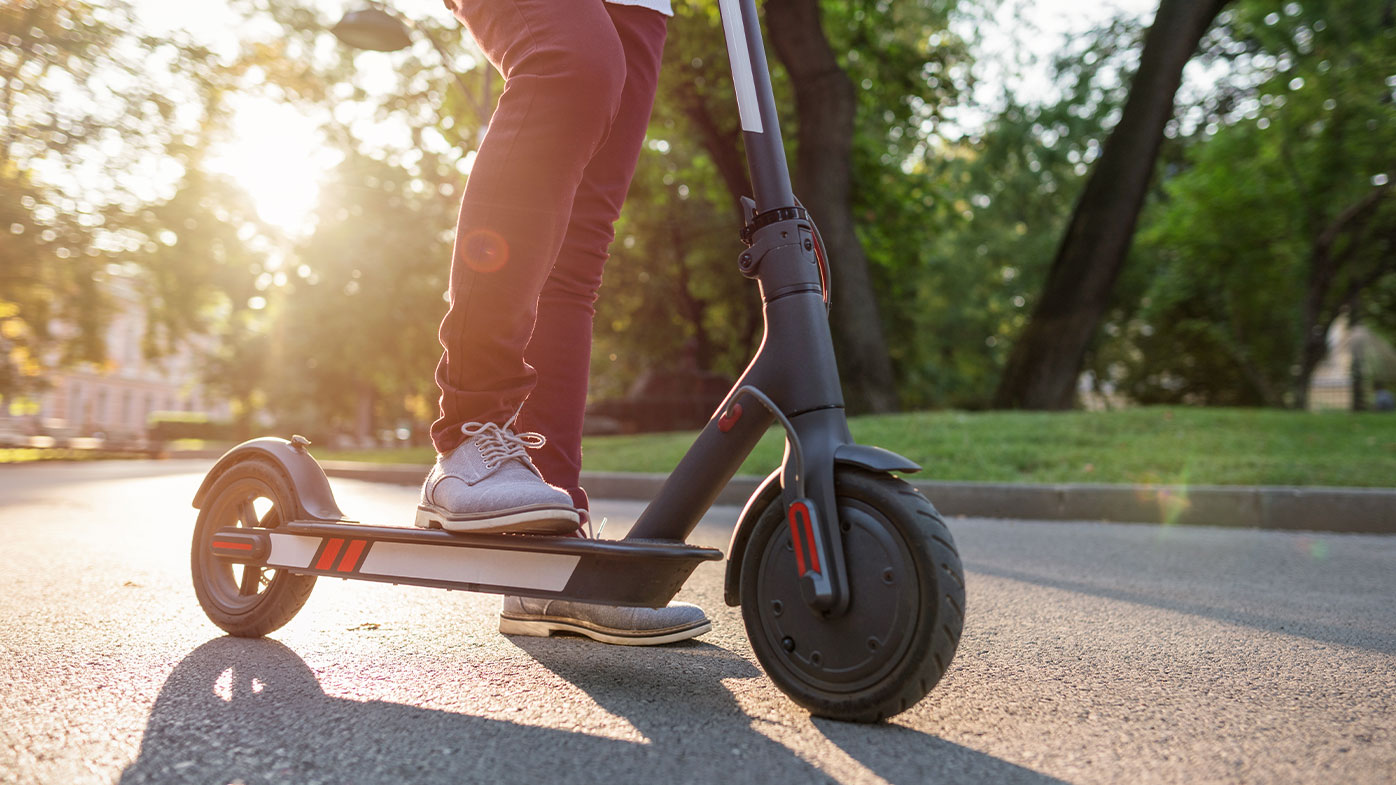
{"x":543,"y":627}
{"x":532,"y":520}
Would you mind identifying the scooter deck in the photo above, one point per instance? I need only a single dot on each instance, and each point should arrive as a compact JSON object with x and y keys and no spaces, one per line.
{"x":615,"y":572}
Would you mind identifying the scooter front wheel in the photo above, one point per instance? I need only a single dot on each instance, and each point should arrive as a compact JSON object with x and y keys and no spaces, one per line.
{"x":905,"y":613}
{"x":246,"y":600}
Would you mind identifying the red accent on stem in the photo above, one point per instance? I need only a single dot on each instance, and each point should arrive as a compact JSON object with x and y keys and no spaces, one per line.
{"x":351,"y":555}
{"x":729,"y":418}
{"x":823,"y":259}
{"x":331,"y":551}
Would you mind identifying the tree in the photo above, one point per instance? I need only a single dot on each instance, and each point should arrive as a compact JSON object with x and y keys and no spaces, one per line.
{"x":672,"y":294}
{"x":850,"y":144}
{"x":826,"y":104}
{"x":95,"y":146}
{"x":979,"y":215}
{"x":1248,"y":267}
{"x":1047,"y":356}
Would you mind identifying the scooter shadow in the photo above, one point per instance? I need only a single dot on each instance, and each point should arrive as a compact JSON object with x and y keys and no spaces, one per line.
{"x":701,"y":722}
{"x":251,"y":711}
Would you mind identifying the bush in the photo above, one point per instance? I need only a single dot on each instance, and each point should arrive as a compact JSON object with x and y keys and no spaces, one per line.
{"x":169,"y":426}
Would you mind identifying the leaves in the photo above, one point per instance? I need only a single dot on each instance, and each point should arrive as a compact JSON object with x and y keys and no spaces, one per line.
{"x":1282,"y":216}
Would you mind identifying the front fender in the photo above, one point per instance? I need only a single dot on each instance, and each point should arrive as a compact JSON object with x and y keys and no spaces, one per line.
{"x":767,"y":493}
{"x":863,"y":456}
{"x":312,"y":489}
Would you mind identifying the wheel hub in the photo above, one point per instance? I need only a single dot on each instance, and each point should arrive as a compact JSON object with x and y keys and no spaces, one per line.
{"x":847,"y":652}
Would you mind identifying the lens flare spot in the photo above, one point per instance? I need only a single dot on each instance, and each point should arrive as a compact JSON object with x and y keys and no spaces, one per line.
{"x":1314,"y":548}
{"x":484,"y":250}
{"x":1172,"y":502}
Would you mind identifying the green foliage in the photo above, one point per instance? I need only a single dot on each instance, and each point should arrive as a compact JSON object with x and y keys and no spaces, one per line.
{"x":342,"y":334}
{"x":168,"y":426}
{"x":350,"y":325}
{"x":337,"y":327}
{"x":991,"y":209}
{"x":98,"y":120}
{"x":1282,"y":216}
{"x":48,"y":264}
{"x":672,"y":294}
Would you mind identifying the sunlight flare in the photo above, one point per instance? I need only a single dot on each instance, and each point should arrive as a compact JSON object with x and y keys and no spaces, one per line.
{"x":275,"y":153}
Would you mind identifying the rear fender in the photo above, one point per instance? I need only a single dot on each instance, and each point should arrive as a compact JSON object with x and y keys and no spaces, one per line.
{"x":314,"y":501}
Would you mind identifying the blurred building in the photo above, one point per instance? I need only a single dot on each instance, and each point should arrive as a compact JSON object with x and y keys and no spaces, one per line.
{"x":1358,"y":361}
{"x":113,"y":401}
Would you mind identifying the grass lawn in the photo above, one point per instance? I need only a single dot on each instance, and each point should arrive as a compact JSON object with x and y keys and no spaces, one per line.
{"x":1175,"y":445}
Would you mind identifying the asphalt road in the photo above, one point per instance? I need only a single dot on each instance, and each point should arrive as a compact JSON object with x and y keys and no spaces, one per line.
{"x":1092,"y":653}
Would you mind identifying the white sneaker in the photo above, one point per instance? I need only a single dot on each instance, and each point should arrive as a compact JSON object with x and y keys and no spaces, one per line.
{"x":488,"y":484}
{"x":623,"y":625}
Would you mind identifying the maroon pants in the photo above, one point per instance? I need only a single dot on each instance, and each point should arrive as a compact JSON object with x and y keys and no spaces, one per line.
{"x":538,"y":216}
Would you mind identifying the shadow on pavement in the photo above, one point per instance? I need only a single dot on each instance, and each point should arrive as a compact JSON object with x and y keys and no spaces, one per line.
{"x":1382,"y":642}
{"x":252,"y":711}
{"x":903,"y":756}
{"x":900,"y":755}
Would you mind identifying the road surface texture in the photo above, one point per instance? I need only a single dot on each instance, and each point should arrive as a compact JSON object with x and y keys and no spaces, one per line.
{"x":1092,"y":653}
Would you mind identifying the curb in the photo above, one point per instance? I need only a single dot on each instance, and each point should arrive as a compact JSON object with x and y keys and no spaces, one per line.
{"x":1285,"y":508}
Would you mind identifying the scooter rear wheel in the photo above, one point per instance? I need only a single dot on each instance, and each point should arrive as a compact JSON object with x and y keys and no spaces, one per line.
{"x":905,"y":614}
{"x":246,"y":600}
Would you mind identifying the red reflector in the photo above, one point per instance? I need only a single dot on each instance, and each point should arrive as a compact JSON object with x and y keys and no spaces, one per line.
{"x":795,"y":535}
{"x":729,"y":418}
{"x":809,"y":538}
{"x":802,"y":532}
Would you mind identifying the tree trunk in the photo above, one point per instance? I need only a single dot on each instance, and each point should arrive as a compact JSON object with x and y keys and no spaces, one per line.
{"x":825,"y":106}
{"x":1326,"y":264}
{"x":721,"y":144}
{"x":1358,"y":378}
{"x":1046,"y":359}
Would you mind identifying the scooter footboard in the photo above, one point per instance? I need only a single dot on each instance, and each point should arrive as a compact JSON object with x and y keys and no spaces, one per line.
{"x":614,"y":572}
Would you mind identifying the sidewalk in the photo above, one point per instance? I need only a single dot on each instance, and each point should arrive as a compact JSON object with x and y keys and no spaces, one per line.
{"x":1361,"y":510}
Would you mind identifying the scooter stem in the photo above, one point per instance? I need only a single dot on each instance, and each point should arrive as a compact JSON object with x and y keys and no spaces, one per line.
{"x":756,"y":105}
{"x":794,"y":373}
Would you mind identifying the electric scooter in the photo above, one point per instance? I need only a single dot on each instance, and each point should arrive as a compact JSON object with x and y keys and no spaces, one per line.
{"x":850,"y":586}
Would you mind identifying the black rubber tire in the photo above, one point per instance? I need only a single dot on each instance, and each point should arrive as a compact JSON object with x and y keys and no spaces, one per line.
{"x":279,"y":594}
{"x":908,"y":629}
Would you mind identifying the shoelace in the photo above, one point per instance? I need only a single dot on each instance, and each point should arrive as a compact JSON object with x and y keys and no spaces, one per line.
{"x":498,"y":443}
{"x":587,"y":530}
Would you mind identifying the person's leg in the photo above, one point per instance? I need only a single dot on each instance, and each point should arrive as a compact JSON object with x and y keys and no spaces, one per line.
{"x":564,"y":70}
{"x":560,"y":349}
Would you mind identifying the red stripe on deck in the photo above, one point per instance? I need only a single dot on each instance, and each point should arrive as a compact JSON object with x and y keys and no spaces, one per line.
{"x":351,"y":556}
{"x":331,"y":551}
{"x":233,"y":546}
